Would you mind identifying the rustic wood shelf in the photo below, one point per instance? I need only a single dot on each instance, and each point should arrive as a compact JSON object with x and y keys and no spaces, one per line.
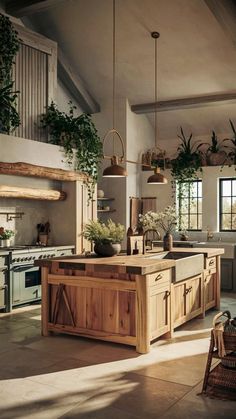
{"x":30,"y":193}
{"x":111,"y":210}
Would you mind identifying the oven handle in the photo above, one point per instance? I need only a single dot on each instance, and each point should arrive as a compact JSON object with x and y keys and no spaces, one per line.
{"x":19,"y":268}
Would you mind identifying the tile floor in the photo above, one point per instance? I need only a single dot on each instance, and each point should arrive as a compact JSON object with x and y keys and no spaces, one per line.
{"x":71,"y":377}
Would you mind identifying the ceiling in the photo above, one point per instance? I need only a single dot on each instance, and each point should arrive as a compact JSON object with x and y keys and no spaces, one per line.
{"x":195,"y":56}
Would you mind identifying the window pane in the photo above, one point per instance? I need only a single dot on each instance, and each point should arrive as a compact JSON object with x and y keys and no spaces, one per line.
{"x":193,"y":222}
{"x":194,"y":189}
{"x":234,"y":205}
{"x":234,"y":187}
{"x":193,"y":205}
{"x":200,"y":205}
{"x":226,"y":188}
{"x":200,"y":189}
{"x":184,"y":205}
{"x":200,"y":221}
{"x":234,"y":222}
{"x":226,"y":221}
{"x":183,"y":222}
{"x":226,"y":205}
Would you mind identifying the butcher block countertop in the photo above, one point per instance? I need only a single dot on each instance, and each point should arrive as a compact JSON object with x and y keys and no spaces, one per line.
{"x":138,"y":264}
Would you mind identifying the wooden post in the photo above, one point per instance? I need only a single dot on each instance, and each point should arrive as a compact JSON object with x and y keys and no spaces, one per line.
{"x":142,"y":315}
{"x":218,"y":282}
{"x":45,"y":302}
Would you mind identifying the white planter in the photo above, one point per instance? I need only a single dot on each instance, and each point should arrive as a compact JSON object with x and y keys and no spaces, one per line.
{"x":5,"y":243}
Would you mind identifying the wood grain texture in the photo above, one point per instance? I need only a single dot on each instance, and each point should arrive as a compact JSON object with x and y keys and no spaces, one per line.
{"x":46,"y":302}
{"x":142,"y":316}
{"x":32,"y":170}
{"x":30,"y":193}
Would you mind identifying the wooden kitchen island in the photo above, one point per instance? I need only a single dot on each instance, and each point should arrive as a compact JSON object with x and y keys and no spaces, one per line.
{"x":124,"y":299}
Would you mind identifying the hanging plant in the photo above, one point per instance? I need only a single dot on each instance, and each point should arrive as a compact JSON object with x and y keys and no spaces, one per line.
{"x":79,"y":138}
{"x":9,"y":46}
{"x":232,"y":147}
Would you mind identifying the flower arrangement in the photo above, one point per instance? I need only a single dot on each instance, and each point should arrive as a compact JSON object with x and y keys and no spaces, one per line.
{"x":109,"y":232}
{"x":166,"y":220}
{"x":6,"y":234}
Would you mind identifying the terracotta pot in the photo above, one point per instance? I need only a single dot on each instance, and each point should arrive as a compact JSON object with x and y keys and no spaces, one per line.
{"x":168,"y":242}
{"x":107,"y":249}
{"x":216,"y":159}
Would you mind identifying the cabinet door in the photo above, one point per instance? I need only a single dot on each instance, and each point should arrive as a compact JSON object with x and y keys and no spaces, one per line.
{"x":159,"y":312}
{"x":179,"y":303}
{"x":226,"y":274}
{"x":210,"y":291}
{"x":194,"y":297}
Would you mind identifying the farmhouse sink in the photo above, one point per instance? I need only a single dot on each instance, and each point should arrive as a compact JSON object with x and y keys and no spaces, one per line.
{"x":187,"y":264}
{"x":229,"y":248}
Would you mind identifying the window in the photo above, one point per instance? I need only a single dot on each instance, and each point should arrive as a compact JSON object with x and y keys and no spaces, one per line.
{"x":189,"y":203}
{"x":228,"y":204}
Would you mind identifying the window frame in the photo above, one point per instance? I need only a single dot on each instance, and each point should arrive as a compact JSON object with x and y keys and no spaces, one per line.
{"x":221,"y":180}
{"x":188,"y":213}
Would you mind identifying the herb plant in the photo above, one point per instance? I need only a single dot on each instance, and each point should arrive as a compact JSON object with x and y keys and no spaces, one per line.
{"x":9,"y":46}
{"x":109,"y":232}
{"x":6,"y":234}
{"x":79,"y":138}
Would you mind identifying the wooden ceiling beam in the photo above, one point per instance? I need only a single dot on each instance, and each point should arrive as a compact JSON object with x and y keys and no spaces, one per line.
{"x":183,"y":103}
{"x":225,"y":13}
{"x":21,"y":8}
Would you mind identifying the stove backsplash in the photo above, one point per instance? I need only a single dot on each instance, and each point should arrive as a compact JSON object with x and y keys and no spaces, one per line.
{"x":25,"y":229}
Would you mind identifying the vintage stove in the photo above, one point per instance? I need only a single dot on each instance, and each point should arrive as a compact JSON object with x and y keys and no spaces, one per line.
{"x":24,"y":279}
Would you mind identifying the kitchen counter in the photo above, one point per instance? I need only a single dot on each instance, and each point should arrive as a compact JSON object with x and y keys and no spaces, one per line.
{"x":206,"y":251}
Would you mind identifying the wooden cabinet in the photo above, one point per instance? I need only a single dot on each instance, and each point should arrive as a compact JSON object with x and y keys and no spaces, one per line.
{"x":160,"y":314}
{"x":210,"y":282}
{"x":227,"y":274}
{"x":187,"y":300}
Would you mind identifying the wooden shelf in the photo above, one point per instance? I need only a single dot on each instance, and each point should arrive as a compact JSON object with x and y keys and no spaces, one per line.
{"x":105,"y":199}
{"x":111,"y":210}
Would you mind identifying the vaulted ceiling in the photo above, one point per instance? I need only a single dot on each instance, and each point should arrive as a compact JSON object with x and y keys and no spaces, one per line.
{"x":195,"y":56}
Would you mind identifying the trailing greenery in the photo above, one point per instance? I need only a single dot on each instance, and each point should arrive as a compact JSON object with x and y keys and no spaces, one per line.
{"x":79,"y":138}
{"x":109,"y":232}
{"x":9,"y":46}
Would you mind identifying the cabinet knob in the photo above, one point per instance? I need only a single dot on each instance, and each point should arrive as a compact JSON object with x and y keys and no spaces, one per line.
{"x":211,"y":262}
{"x":167,"y":294}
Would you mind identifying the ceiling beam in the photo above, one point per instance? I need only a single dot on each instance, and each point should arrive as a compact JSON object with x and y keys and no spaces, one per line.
{"x":75,"y":85}
{"x":225,"y":13}
{"x":175,"y":104}
{"x":20,"y":8}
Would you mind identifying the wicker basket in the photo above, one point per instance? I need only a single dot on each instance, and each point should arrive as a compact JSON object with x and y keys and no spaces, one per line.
{"x":229,"y":337}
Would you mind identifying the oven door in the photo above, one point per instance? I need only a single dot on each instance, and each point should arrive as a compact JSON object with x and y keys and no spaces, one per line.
{"x":26,"y":284}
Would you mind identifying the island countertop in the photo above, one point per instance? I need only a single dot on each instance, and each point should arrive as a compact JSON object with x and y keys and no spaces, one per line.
{"x":138,"y":264}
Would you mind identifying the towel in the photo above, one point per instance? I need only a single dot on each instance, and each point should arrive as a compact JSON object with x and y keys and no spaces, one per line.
{"x":218,"y":339}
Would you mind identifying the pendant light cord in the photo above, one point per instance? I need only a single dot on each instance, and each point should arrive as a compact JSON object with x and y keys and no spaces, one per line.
{"x":114,"y":71}
{"x":155,"y":35}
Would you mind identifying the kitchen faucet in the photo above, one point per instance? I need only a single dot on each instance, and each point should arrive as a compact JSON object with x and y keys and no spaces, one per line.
{"x":144,"y":237}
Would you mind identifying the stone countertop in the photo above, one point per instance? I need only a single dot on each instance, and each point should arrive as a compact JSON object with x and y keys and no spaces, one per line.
{"x":138,"y":264}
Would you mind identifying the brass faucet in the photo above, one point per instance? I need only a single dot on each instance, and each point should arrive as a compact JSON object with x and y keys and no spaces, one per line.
{"x":144,"y":240}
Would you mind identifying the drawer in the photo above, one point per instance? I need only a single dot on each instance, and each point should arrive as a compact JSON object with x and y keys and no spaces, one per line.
{"x":2,"y":297}
{"x":211,"y":263}
{"x":161,"y":278}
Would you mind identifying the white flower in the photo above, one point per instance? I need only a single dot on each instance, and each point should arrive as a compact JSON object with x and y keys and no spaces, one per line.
{"x":167,"y":219}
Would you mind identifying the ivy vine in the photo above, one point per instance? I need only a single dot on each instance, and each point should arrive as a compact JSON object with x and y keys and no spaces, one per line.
{"x":9,"y":46}
{"x":79,"y":138}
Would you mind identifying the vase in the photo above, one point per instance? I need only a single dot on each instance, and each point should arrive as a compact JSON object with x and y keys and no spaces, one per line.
{"x":216,"y":159}
{"x":167,"y":242}
{"x":100,"y":193}
{"x":5,"y":242}
{"x":107,"y":249}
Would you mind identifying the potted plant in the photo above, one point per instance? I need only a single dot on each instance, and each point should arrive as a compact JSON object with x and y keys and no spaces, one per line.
{"x":79,"y":138}
{"x":232,"y":147}
{"x":5,"y":236}
{"x":165,"y":220}
{"x":9,"y":46}
{"x":215,"y":153}
{"x":105,"y":236}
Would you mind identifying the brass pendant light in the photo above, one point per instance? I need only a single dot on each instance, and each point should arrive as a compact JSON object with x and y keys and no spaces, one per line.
{"x":157,"y":178}
{"x":115,"y":170}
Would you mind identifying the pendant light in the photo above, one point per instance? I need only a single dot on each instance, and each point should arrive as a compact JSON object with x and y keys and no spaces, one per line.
{"x":115,"y":170}
{"x":157,"y":178}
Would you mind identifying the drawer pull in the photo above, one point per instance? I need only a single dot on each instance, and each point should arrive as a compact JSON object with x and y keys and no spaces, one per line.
{"x":167,"y":294}
{"x":211,"y":262}
{"x":159,"y":276}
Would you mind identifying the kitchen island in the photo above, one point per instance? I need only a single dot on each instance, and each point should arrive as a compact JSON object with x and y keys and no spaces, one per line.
{"x":124,"y":299}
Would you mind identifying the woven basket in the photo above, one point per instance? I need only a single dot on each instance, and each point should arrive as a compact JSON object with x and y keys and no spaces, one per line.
{"x":229,"y":337}
{"x":223,"y":377}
